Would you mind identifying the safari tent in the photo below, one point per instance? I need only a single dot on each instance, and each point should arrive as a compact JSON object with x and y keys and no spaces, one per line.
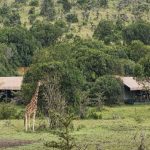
{"x":135,"y":91}
{"x":9,"y":85}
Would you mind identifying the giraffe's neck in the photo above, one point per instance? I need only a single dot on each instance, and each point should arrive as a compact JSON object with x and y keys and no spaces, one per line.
{"x":35,"y":96}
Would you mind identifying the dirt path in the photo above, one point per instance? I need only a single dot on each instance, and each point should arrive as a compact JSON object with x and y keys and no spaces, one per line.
{"x":12,"y":143}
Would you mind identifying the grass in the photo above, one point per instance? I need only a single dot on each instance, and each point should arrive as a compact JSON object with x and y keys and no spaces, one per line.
{"x":120,"y":129}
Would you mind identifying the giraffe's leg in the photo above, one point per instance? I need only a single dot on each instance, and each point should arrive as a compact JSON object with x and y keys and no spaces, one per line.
{"x":26,"y":122}
{"x":34,"y":114}
{"x":29,"y":122}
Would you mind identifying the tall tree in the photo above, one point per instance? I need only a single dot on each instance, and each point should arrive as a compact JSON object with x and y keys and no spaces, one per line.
{"x":137,"y":31}
{"x":46,"y":33}
{"x":21,"y":40}
{"x":105,"y":31}
{"x":48,"y":9}
{"x":7,"y":64}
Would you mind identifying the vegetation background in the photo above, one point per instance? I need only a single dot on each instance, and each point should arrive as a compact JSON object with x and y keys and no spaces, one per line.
{"x":79,"y":46}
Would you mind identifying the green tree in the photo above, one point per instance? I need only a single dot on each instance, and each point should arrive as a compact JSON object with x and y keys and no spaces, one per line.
{"x":48,"y":9}
{"x":111,"y":89}
{"x":95,"y":63}
{"x":46,"y":33}
{"x":128,"y":66}
{"x":72,"y":18}
{"x":55,"y":59}
{"x":7,"y":62}
{"x":21,"y":40}
{"x":13,"y":19}
{"x":4,"y":10}
{"x":137,"y":31}
{"x":105,"y":31}
{"x":34,"y":3}
{"x":66,"y":5}
{"x":145,"y":62}
{"x":66,"y":141}
{"x":103,"y":3}
{"x":20,"y":1}
{"x":136,"y":50}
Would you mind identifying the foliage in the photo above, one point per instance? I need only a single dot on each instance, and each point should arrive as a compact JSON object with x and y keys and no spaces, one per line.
{"x":103,"y":3}
{"x":137,"y":31}
{"x":136,"y":50}
{"x":47,"y":33}
{"x":22,"y":42}
{"x":66,"y":141}
{"x":94,"y":115}
{"x":72,"y":18}
{"x":7,"y":111}
{"x":20,"y":1}
{"x":128,"y":67}
{"x":34,"y":3}
{"x":111,"y":89}
{"x":7,"y":61}
{"x":4,"y":10}
{"x":95,"y":63}
{"x":66,"y":5}
{"x":47,"y":9}
{"x":145,"y":62}
{"x":70,"y":79}
{"x":32,"y":18}
{"x":12,"y":19}
{"x":104,"y":31}
{"x":32,"y":10}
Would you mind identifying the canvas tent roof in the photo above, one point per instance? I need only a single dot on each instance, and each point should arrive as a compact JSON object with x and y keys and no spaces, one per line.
{"x":133,"y":84}
{"x":11,"y":83}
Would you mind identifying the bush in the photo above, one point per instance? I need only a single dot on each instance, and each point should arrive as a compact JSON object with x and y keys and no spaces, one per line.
{"x":32,"y":10}
{"x":7,"y":111}
{"x":21,"y":1}
{"x":111,"y":89}
{"x":94,"y":115}
{"x":19,"y":115}
{"x":72,"y":18}
{"x":32,"y":18}
{"x":137,"y":31}
{"x":34,"y":3}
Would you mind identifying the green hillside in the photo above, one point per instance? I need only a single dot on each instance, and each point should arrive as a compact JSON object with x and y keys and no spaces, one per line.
{"x":89,"y":12}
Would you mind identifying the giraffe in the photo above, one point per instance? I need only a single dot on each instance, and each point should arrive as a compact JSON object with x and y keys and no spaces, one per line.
{"x":31,"y":109}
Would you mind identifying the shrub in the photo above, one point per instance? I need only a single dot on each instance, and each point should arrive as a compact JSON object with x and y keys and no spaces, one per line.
{"x":7,"y":111}
{"x":21,"y":1}
{"x":111,"y":89}
{"x":137,"y":31}
{"x":32,"y":18}
{"x":34,"y":3}
{"x":32,"y":10}
{"x":19,"y":115}
{"x":94,"y":115}
{"x":72,"y":18}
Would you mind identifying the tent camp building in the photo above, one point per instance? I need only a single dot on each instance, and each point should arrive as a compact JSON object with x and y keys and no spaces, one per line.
{"x":9,"y":85}
{"x":134,"y":91}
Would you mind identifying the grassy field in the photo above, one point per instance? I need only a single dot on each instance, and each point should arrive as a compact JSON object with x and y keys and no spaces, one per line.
{"x":119,"y":129}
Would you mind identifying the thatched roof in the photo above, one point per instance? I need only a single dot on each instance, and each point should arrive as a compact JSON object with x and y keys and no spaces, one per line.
{"x":133,"y":84}
{"x":11,"y":83}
